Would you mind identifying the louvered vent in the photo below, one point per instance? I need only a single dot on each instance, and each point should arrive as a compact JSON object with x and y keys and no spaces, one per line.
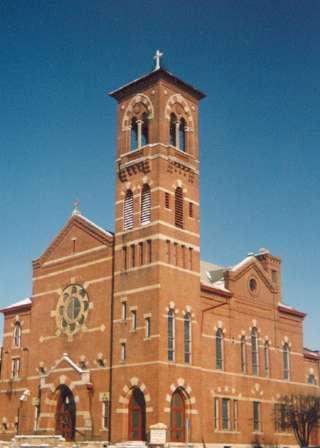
{"x":128,"y":211}
{"x":145,"y":204}
{"x":179,"y":207}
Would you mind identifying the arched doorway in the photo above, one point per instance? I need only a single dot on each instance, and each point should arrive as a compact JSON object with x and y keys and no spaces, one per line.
{"x":65,"y":413}
{"x":137,"y":415}
{"x":178,"y":416}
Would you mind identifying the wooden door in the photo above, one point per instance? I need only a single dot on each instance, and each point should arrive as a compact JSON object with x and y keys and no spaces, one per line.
{"x":178,"y":417}
{"x":65,"y":413}
{"x":137,"y":416}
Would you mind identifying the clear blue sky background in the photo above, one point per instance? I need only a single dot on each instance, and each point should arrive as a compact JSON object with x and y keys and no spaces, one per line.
{"x":258,"y":62}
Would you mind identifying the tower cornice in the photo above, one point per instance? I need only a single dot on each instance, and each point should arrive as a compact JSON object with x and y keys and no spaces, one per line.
{"x":151,"y":78}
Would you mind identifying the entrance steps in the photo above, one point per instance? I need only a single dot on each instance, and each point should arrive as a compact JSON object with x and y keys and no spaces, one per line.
{"x":130,"y":444}
{"x":38,"y":441}
{"x":47,"y":441}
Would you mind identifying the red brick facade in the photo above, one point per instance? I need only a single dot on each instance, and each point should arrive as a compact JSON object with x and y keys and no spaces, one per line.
{"x":130,"y":329}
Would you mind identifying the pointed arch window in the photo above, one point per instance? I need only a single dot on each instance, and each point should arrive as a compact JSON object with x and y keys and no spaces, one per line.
{"x":219,"y":349}
{"x":182,"y":134}
{"x":134,"y":133}
{"x":243,"y":354}
{"x":254,"y":351}
{"x":173,"y":130}
{"x":145,"y":204}
{"x":139,"y":131}
{"x":17,"y":332}
{"x":266,"y":353}
{"x":312,"y":379}
{"x":286,"y":361}
{"x":179,"y":207}
{"x":144,"y":129}
{"x":128,"y":211}
{"x":187,"y":338}
{"x":171,"y":335}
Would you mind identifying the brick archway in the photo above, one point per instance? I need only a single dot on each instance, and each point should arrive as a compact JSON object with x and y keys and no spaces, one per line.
{"x":124,"y":402}
{"x":183,"y":388}
{"x":127,"y":390}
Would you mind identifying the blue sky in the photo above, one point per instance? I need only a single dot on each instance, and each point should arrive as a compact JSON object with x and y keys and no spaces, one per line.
{"x":258,"y":62}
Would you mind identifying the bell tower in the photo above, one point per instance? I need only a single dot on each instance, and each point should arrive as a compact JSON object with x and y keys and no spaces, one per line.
{"x":157,"y":241}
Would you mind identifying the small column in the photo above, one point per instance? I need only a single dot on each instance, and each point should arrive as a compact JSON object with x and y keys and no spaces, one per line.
{"x":177,"y":134}
{"x":139,"y":124}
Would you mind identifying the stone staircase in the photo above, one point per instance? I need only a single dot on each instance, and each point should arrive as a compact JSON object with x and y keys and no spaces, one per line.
{"x":54,"y":441}
{"x":46,"y":441}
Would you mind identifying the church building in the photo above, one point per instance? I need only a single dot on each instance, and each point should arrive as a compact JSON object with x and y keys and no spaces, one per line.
{"x":128,"y":329}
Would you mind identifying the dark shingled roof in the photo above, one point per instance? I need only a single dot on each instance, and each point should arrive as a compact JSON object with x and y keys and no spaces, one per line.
{"x":153,"y":76}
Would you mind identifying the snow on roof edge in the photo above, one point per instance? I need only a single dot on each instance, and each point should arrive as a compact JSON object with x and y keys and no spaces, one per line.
{"x":94,"y":224}
{"x":243,"y":262}
{"x":22,"y":302}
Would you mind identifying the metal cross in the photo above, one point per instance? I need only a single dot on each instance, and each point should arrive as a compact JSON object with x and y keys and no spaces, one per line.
{"x":157,"y":57}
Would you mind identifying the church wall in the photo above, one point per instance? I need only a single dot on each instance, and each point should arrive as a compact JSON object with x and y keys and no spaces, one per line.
{"x":89,"y":265}
{"x":163,"y":278}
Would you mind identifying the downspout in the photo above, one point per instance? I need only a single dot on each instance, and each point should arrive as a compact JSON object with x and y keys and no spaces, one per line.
{"x":213,"y":307}
{"x":111,"y":339}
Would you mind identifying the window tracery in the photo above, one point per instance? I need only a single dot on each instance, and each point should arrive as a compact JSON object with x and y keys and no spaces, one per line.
{"x":178,"y":113}
{"x":136,"y":120}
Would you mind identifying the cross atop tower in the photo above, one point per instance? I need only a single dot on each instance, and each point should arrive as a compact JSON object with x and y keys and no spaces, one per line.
{"x":157,"y":57}
{"x":76,"y":208}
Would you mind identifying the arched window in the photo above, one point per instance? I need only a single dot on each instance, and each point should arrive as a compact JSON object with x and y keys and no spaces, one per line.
{"x":179,"y":207}
{"x":311,"y":379}
{"x":243,"y":354}
{"x":173,"y":130}
{"x":128,"y":211}
{"x":171,"y":335}
{"x":187,"y":338}
{"x":145,"y":129}
{"x":137,"y":415}
{"x":145,"y":204}
{"x":254,"y":351}
{"x":182,"y":134}
{"x":134,"y":133}
{"x":17,"y":334}
{"x":266,"y":353}
{"x":177,"y":416}
{"x":219,"y":349}
{"x":286,"y":361}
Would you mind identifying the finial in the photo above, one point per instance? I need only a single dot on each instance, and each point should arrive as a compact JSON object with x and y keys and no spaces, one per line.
{"x":157,"y":57}
{"x":76,"y":208}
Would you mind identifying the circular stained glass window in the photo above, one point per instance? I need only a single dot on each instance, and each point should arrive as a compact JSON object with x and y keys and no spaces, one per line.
{"x":72,"y":309}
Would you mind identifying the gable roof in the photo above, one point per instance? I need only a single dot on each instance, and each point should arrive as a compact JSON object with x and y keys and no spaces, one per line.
{"x":102,"y":235}
{"x":212,"y":277}
{"x":154,"y":76}
{"x":18,"y":306}
{"x":251,"y":261}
